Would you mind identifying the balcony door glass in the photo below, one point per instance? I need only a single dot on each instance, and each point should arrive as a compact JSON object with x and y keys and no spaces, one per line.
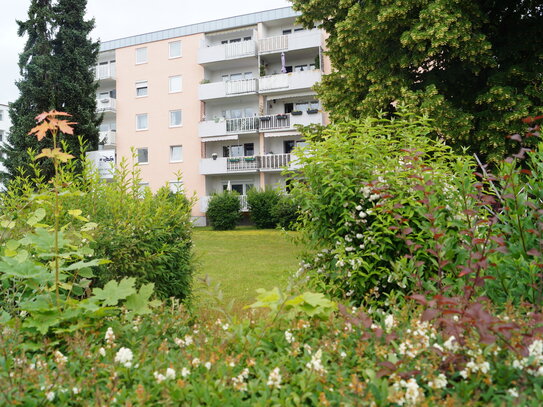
{"x":249,"y":149}
{"x":288,"y":146}
{"x":236,"y":151}
{"x":236,"y":76}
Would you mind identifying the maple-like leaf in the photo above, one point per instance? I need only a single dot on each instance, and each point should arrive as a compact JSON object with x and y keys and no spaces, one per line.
{"x":41,"y":117}
{"x":40,"y":130}
{"x":64,"y":126}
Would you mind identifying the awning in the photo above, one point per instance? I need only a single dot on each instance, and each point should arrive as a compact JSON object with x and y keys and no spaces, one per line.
{"x":282,"y":134}
{"x":220,"y":138}
{"x":235,"y":30}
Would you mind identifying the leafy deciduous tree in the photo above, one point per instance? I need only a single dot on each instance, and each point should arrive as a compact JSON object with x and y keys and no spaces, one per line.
{"x":476,"y":67}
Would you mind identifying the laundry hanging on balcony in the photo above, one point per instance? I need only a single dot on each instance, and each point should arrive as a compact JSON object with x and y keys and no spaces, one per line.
{"x":283,"y":63}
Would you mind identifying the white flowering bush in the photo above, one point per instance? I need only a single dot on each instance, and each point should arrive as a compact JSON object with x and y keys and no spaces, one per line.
{"x":355,"y":357}
{"x":359,"y":188}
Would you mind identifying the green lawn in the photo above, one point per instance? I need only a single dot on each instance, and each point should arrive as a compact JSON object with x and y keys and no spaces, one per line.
{"x":243,"y":260}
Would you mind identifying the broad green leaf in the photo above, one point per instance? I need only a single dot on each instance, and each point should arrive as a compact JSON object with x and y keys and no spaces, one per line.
{"x":84,"y":264}
{"x":139,"y":302}
{"x":38,"y":215}
{"x":113,"y":292}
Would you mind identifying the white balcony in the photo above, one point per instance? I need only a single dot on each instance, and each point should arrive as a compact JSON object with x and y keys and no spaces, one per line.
{"x":106,"y":105}
{"x":289,"y":81}
{"x":204,"y":202}
{"x":290,"y":42}
{"x":217,"y":90}
{"x":108,"y":138}
{"x":248,"y":164}
{"x":222,"y":52}
{"x":105,"y":72}
{"x":275,"y":122}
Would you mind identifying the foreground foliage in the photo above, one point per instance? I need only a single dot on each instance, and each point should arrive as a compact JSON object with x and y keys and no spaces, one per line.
{"x":473,"y":67}
{"x":355,"y":357}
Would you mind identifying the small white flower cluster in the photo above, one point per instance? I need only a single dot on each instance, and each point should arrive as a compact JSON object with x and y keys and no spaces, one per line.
{"x":110,"y":337}
{"x":474,"y":366}
{"x":195,"y":362}
{"x":185,"y":372}
{"x":418,"y":339}
{"x":136,"y":324}
{"x":406,"y":392}
{"x":389,"y":322}
{"x":224,"y":326}
{"x":169,"y":375}
{"x":186,"y":341}
{"x":533,"y":364}
{"x":60,"y":359}
{"x":440,"y":382}
{"x":451,"y":344}
{"x":239,"y":382}
{"x":289,"y":337}
{"x":124,"y":357}
{"x":274,"y":378}
{"x":315,"y":364}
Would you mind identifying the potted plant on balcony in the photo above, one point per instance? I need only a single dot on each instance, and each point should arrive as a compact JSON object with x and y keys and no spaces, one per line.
{"x":250,"y":159}
{"x":281,"y":116}
{"x":233,"y":160}
{"x":265,"y":118}
{"x":296,"y":112}
{"x":312,"y":111}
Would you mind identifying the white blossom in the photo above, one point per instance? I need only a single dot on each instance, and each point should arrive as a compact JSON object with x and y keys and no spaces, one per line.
{"x":274,"y":378}
{"x":124,"y":357}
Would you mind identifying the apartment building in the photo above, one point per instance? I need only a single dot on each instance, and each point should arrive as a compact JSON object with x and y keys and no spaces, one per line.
{"x":217,"y":102}
{"x":5,"y":124}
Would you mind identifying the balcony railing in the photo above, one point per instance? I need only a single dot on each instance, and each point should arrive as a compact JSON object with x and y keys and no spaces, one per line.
{"x":223,"y":165}
{"x":290,"y":81}
{"x":108,"y":138}
{"x":105,"y":71}
{"x":240,"y":87}
{"x":106,"y":105}
{"x":275,"y":121}
{"x":216,"y":53}
{"x":242,"y":124}
{"x":290,"y":42}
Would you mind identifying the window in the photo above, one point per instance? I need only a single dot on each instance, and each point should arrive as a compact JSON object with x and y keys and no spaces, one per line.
{"x":298,"y":29}
{"x":176,"y":186}
{"x":287,"y":32}
{"x":176,"y":83}
{"x":176,"y":154}
{"x":240,"y":187}
{"x":141,"y":55}
{"x":175,"y":118}
{"x":1,"y":136}
{"x":175,"y":49}
{"x":142,"y":121}
{"x":249,"y":149}
{"x":141,"y":89}
{"x":313,"y":104}
{"x":301,"y":106}
{"x":1,"y":115}
{"x":143,"y":155}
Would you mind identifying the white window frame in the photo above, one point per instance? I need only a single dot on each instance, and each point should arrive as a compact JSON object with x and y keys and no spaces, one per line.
{"x":170,"y":87}
{"x":146,"y":121}
{"x":180,"y":49}
{"x":142,"y":85}
{"x":141,"y":52}
{"x":180,"y":118}
{"x":138,"y":155}
{"x":180,"y":160}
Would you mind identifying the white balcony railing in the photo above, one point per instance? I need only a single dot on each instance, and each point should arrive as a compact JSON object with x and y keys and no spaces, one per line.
{"x":108,"y":138}
{"x":242,"y":125}
{"x":216,"y":53}
{"x":240,"y":87}
{"x":272,"y":44}
{"x":225,"y":165}
{"x":275,"y":121}
{"x":105,"y":71}
{"x":289,"y":81}
{"x":106,"y":105}
{"x":290,"y":42}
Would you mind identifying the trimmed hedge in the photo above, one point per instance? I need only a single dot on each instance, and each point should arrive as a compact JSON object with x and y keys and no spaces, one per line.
{"x":224,"y":210}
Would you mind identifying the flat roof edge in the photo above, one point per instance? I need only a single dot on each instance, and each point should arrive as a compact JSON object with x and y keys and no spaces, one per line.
{"x":213,"y":25}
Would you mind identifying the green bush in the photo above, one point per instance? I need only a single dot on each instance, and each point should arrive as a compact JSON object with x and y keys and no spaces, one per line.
{"x":146,"y":236}
{"x":260,"y":205}
{"x":224,"y":210}
{"x":285,"y":212}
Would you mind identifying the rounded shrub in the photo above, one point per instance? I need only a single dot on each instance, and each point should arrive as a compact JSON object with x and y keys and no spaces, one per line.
{"x":224,"y":210}
{"x":261,"y":203}
{"x":285,"y":212}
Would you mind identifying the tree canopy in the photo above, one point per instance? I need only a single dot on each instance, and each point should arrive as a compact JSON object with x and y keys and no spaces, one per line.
{"x":475,"y":67}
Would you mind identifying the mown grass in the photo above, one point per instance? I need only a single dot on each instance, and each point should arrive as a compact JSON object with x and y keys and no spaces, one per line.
{"x":243,"y":260}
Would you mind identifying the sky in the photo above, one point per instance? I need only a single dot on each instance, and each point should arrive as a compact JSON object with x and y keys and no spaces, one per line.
{"x":117,"y":19}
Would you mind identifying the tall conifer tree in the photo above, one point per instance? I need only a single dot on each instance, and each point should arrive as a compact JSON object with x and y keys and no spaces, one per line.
{"x":36,"y":87}
{"x":57,"y":72}
{"x":75,"y":56}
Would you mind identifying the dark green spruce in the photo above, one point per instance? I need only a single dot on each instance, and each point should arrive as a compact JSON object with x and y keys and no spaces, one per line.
{"x":57,"y":72}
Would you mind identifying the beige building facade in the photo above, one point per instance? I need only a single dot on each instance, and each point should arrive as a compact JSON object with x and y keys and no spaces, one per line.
{"x":211,"y":106}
